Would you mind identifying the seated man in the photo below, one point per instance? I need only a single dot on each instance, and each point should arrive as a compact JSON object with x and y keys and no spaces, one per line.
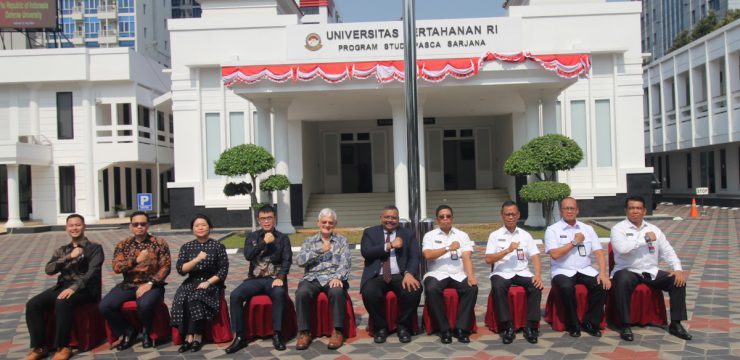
{"x":448,"y":252}
{"x":569,"y":243}
{"x":392,"y":258}
{"x":78,"y":264}
{"x":508,"y":250}
{"x":637,"y":245}
{"x":144,"y":261}
{"x":326,"y":260}
{"x":269,"y":255}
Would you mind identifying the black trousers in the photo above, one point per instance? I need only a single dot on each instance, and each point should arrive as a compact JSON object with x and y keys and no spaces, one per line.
{"x":433,"y":290}
{"x":63,"y":310}
{"x":625,"y":281}
{"x":500,"y":288}
{"x":566,"y":286}
{"x":373,"y":296}
{"x":110,"y":307}
{"x":305,"y":301}
{"x":188,"y":325}
{"x":249,"y":288}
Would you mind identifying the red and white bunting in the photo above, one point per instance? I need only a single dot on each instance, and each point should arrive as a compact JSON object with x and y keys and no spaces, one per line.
{"x":434,"y":70}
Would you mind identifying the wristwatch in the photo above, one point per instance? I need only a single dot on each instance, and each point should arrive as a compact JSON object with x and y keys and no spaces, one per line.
{"x":150,"y":283}
{"x":573,"y":242}
{"x":447,"y":248}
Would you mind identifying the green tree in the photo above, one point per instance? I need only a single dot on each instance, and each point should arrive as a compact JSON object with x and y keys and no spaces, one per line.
{"x":543,"y":157}
{"x":730,"y":16}
{"x":704,"y":26}
{"x":682,"y":38}
{"x":252,"y":160}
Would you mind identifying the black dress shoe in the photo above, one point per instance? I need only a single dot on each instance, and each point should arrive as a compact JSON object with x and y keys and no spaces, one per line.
{"x":146,"y":341}
{"x":236,"y":345}
{"x":590,"y":329}
{"x":128,"y":341}
{"x":575,"y":333}
{"x":461,"y":335}
{"x":531,"y":335}
{"x":446,"y":337}
{"x":184,"y":347}
{"x":277,"y":341}
{"x":404,"y":335}
{"x":508,"y":336}
{"x":677,"y":330}
{"x":626,"y":334}
{"x":197,"y":345}
{"x":380,"y":336}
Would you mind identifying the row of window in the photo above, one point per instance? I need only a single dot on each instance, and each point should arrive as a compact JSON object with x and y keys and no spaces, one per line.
{"x":237,"y":131}
{"x":707,"y":169}
{"x":579,"y":129}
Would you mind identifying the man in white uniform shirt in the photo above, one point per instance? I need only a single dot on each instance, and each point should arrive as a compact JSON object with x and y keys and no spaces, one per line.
{"x":637,"y":245}
{"x":508,"y":251}
{"x":448,"y":252}
{"x":569,"y":243}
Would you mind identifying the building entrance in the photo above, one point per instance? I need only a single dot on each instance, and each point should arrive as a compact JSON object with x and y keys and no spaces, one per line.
{"x":459,"y":164}
{"x":24,"y":185}
{"x":356,"y":159}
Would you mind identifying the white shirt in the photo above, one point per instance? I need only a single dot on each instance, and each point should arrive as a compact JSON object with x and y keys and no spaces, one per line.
{"x":392,"y":256}
{"x":631,"y":250}
{"x":444,"y":267}
{"x":558,"y":235}
{"x":509,"y":265}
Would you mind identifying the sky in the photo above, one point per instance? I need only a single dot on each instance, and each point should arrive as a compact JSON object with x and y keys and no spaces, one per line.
{"x":389,"y":10}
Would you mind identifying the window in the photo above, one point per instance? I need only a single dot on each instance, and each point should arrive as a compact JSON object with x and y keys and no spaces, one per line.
{"x":603,"y":134}
{"x":160,"y":121}
{"x":558,"y":118}
{"x":139,"y":184}
{"x":66,"y":189}
{"x":143,"y":7}
{"x":236,"y":128}
{"x":144,"y":117}
{"x":92,"y":27}
{"x":91,"y":6}
{"x":667,"y":172}
{"x":148,"y":180}
{"x":578,"y":129}
{"x":722,"y":81}
{"x":125,"y":6}
{"x":145,"y":33}
{"x":117,"y":186}
{"x":172,"y":124}
{"x":129,"y":189}
{"x":126,"y":26}
{"x":689,"y":183}
{"x":213,"y":143}
{"x":722,"y":169}
{"x":65,"y":120}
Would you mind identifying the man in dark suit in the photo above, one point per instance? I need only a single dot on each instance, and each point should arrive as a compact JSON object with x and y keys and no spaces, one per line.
{"x":392,"y":258}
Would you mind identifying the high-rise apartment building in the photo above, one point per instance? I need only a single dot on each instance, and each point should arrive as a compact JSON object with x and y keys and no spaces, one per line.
{"x":662,"y":20}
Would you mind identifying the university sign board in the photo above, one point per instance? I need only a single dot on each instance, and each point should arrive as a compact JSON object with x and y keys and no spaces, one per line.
{"x":28,"y":14}
{"x":437,"y":38}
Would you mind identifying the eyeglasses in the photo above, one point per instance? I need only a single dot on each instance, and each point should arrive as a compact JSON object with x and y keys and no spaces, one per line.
{"x":139,"y":224}
{"x":444,"y":216}
{"x":266,"y":219}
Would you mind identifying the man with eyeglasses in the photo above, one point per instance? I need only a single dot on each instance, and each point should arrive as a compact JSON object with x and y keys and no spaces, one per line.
{"x":448,"y":252}
{"x":269,"y":255}
{"x":569,"y":243}
{"x":144,"y":261}
{"x":638,"y":246}
{"x":392,"y":259}
{"x":508,"y":251}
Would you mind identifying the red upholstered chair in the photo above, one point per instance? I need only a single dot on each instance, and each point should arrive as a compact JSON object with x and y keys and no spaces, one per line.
{"x":321,"y":321}
{"x":218,"y":330}
{"x":517,"y":307}
{"x":258,"y":318}
{"x":87,"y":329}
{"x":391,"y":316}
{"x":452,"y":300}
{"x":555,"y":312}
{"x":647,"y":307}
{"x":161,"y":328}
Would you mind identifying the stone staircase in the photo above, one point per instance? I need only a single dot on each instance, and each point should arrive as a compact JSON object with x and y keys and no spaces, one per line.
{"x":363,"y":209}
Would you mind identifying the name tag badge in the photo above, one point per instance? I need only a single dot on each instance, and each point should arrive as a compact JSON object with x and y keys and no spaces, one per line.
{"x":629,"y":234}
{"x":502,"y":240}
{"x":582,"y":250}
{"x":520,"y":254}
{"x":437,"y":241}
{"x":563,"y":236}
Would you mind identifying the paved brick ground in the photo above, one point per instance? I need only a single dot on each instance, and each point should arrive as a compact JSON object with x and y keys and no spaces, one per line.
{"x":708,"y":247}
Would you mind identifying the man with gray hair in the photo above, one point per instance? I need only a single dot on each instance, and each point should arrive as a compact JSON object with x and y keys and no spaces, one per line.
{"x":326,"y":260}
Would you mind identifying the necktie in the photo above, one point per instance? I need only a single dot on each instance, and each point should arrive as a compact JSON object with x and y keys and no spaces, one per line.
{"x":387,"y":262}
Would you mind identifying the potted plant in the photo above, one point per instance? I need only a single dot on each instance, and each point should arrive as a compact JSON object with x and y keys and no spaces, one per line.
{"x":120,"y":210}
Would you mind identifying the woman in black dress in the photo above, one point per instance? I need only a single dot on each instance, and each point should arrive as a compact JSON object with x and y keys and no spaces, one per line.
{"x":196,"y":301}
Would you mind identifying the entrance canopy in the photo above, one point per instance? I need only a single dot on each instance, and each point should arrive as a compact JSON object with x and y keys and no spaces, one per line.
{"x":433,"y":70}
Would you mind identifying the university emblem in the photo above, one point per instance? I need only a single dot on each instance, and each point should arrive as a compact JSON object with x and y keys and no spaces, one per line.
{"x":313,"y":42}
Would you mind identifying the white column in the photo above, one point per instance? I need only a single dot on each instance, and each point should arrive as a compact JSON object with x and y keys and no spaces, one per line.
{"x":280,"y":110}
{"x":400,"y":156}
{"x":33,"y":110}
{"x":91,"y":182}
{"x":14,"y":203}
{"x":532,"y":125}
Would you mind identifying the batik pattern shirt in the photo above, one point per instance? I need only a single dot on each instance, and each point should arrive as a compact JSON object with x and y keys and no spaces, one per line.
{"x":155,"y":267}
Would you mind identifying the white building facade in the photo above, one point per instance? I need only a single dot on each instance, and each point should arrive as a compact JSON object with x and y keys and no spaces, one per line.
{"x":327,"y":100}
{"x":692,"y":118}
{"x":84,"y":130}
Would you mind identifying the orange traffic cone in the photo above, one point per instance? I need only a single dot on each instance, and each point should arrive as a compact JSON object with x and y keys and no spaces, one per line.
{"x":694,"y":209}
